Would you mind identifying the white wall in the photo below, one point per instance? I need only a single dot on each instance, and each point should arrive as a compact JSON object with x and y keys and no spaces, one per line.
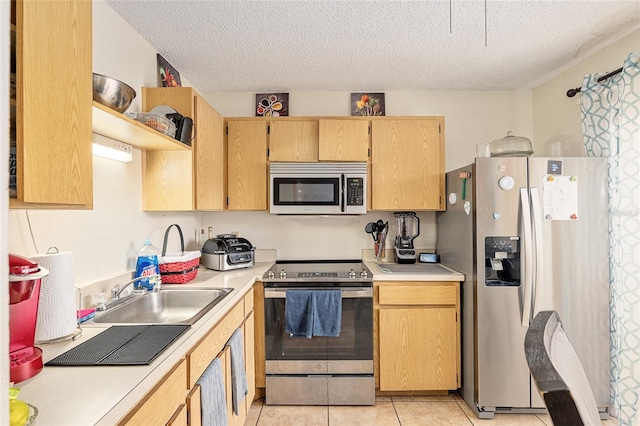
{"x":556,"y":117}
{"x":471,"y":117}
{"x":104,"y":240}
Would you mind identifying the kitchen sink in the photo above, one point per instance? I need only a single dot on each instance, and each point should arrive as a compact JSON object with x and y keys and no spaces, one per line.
{"x":185,"y":306}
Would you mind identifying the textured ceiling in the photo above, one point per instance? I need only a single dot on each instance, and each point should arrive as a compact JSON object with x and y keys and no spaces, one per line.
{"x":270,"y":46}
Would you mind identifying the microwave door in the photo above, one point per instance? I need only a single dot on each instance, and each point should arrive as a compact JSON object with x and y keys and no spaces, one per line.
{"x":300,"y":195}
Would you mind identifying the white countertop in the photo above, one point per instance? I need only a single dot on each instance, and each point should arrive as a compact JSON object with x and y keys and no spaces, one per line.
{"x":391,"y":271}
{"x":103,"y":395}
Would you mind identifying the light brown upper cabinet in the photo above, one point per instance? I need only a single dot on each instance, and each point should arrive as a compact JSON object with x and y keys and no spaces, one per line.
{"x":343,"y":140}
{"x":293,"y":141}
{"x":407,"y":163}
{"x":185,"y":180}
{"x":51,"y":111}
{"x":247,"y":165}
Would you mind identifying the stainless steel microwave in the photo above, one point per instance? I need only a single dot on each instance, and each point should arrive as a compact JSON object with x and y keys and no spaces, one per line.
{"x":318,"y":188}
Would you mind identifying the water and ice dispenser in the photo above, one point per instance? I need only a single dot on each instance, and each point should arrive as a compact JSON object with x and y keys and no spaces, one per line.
{"x":502,"y":261}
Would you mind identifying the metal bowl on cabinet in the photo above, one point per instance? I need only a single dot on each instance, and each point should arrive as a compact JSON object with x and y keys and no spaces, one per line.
{"x":112,"y":93}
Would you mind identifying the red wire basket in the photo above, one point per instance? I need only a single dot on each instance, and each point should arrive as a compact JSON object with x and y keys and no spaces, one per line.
{"x":178,"y":268}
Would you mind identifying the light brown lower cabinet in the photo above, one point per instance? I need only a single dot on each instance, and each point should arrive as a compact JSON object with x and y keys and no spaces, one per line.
{"x":193,"y":406}
{"x":260,"y":361}
{"x":179,"y":418}
{"x":248,"y":332}
{"x":159,"y":406}
{"x":176,"y":399}
{"x":418,"y":336}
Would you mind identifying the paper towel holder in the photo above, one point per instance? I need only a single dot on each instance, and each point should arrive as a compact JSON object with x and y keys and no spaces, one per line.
{"x":77,"y":332}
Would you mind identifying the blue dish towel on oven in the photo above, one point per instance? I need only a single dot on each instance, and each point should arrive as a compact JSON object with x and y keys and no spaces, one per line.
{"x":327,"y":313}
{"x":298,"y":313}
{"x":213,"y":399}
{"x":313,"y":313}
{"x":238,"y":372}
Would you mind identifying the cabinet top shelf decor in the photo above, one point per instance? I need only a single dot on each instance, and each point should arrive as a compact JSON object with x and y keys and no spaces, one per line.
{"x":114,"y":125}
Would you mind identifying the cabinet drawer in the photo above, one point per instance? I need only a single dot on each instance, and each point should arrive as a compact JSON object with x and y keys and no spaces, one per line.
{"x":160,"y":405}
{"x":248,"y":303}
{"x":433,"y":294}
{"x":201,"y":356}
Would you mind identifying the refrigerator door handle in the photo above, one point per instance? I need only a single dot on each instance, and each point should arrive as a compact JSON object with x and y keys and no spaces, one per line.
{"x":528,"y":256}
{"x":538,"y":259}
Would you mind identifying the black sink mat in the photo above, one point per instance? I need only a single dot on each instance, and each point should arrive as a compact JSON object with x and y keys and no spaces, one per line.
{"x":122,"y":345}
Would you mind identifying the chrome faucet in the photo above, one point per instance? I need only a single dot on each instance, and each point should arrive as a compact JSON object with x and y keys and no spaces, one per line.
{"x":116,"y":292}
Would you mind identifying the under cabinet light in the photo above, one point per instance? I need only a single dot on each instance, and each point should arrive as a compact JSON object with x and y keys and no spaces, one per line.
{"x":111,"y":149}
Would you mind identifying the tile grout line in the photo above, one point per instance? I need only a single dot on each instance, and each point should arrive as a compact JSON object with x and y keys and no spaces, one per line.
{"x":328,"y":416}
{"x":463,"y":412}
{"x":396,"y":411}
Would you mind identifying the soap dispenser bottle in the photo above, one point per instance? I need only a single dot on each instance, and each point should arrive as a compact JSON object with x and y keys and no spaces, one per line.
{"x":147,"y":266}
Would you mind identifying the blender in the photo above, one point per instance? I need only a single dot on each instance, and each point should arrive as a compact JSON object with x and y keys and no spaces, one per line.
{"x":25,"y":277}
{"x":407,"y":228}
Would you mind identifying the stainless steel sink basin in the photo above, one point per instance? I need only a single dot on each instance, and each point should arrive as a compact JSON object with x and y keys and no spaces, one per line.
{"x":185,"y":306}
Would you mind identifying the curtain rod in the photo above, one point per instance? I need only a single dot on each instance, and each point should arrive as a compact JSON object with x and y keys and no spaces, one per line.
{"x":572,"y":92}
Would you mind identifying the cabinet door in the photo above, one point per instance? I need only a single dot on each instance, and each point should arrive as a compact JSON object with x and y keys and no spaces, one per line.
{"x":167,"y":176}
{"x":407,"y":164}
{"x":247,"y":165}
{"x":160,"y":404}
{"x":53,"y":104}
{"x":295,"y":141}
{"x":179,"y":417}
{"x":249,"y":361}
{"x":234,"y":420}
{"x":209,"y":161}
{"x":194,"y":406}
{"x":258,"y":309}
{"x":185,"y":180}
{"x":344,"y":140}
{"x":418,"y":349}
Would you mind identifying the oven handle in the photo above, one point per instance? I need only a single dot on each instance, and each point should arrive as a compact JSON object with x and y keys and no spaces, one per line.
{"x":281,"y":293}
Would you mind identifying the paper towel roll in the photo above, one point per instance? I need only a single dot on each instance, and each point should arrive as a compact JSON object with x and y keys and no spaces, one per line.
{"x":57,"y":305}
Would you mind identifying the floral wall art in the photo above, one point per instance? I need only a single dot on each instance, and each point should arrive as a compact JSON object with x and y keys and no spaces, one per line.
{"x":169,"y":76}
{"x":272,"y":104}
{"x":367,"y":104}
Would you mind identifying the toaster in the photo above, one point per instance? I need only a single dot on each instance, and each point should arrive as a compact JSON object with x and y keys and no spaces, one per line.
{"x":227,"y":252}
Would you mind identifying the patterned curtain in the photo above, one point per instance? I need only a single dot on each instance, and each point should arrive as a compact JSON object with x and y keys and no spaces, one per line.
{"x":610,"y":113}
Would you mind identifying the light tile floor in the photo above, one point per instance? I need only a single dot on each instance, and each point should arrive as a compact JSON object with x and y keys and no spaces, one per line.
{"x":390,"y":411}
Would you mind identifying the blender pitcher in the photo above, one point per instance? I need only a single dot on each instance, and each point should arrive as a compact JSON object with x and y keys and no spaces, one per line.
{"x":407,"y":229}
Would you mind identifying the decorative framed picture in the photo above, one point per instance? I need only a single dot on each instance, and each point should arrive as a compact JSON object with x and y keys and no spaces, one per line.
{"x":369,"y":104}
{"x":169,"y":76}
{"x":272,"y":105}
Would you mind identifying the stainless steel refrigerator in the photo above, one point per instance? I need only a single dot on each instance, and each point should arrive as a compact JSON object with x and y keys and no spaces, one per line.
{"x":530,"y":234}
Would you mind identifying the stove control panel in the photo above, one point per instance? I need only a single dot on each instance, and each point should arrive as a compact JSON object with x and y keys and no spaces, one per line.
{"x":321,"y":274}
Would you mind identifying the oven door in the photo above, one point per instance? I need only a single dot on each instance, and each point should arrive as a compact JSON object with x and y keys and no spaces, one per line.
{"x":349,"y":353}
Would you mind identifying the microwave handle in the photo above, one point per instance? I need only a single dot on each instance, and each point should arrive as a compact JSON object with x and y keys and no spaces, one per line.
{"x":343,"y":192}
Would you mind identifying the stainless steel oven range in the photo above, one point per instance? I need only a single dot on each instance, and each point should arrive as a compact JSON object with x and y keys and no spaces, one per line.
{"x":320,"y":370}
